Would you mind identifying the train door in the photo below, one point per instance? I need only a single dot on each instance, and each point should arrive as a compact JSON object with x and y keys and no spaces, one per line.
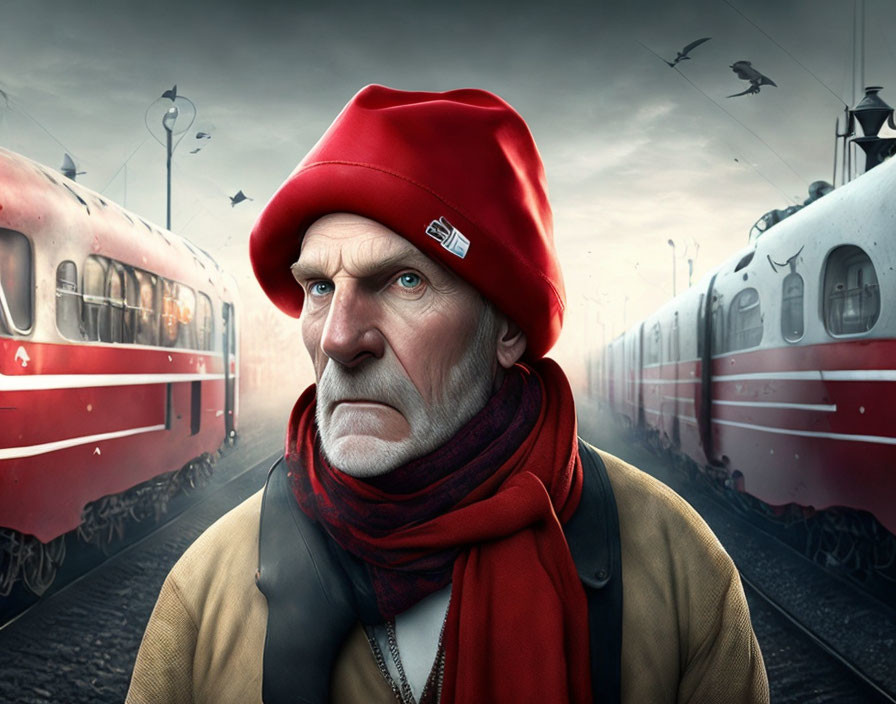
{"x":638,"y":367}
{"x":706,"y":334}
{"x":631,"y":375}
{"x":230,"y":373}
{"x":609,"y":370}
{"x":674,"y":359}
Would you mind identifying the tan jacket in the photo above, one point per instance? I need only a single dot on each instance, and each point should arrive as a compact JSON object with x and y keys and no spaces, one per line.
{"x":686,"y":633}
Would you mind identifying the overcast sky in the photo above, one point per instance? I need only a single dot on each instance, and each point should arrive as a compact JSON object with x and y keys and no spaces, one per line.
{"x":634,"y":153}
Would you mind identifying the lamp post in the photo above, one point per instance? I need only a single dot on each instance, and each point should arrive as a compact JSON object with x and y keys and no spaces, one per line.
{"x":168,"y":124}
{"x":174,"y":114}
{"x":672,"y":245}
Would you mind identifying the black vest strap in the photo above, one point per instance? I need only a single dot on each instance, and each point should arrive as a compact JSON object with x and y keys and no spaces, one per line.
{"x":310,"y":604}
{"x":593,"y":538}
{"x":316,"y":593}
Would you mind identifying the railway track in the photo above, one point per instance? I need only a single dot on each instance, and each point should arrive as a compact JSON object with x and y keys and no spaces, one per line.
{"x":827,"y":599}
{"x":849,"y":682}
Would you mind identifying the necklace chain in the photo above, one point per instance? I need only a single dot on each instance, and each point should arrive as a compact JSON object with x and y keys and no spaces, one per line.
{"x":402,"y":689}
{"x":407,"y":696}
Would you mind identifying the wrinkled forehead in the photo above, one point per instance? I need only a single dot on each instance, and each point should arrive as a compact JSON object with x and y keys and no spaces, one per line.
{"x":347,"y":239}
{"x":339,"y":228}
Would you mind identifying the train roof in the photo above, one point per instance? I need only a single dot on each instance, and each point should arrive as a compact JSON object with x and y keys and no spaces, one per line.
{"x":34,"y":197}
{"x":847,"y":207}
{"x":843,"y":215}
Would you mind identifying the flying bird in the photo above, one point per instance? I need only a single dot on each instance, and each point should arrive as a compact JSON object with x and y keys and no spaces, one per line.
{"x":746,"y":72}
{"x":200,"y":136}
{"x":683,"y":54}
{"x":239,"y":198}
{"x":171,"y":94}
{"x":68,"y":168}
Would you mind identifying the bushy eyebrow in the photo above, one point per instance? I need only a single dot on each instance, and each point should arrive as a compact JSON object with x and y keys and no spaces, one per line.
{"x":407,"y":257}
{"x":306,"y":271}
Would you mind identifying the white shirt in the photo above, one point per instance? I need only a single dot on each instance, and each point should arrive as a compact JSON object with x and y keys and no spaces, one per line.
{"x":417,"y":633}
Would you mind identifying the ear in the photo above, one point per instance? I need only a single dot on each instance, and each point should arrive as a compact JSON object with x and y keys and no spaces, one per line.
{"x":511,"y":342}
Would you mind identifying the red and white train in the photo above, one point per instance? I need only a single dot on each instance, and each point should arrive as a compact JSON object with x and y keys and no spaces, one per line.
{"x":777,"y":371}
{"x":118,"y":366}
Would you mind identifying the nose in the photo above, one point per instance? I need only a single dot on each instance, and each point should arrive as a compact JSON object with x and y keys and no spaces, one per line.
{"x":350,"y":333}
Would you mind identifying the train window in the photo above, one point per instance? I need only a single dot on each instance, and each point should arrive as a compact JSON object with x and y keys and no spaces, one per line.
{"x":654,"y":345}
{"x":122,"y":304}
{"x":68,"y":301}
{"x":169,"y":320}
{"x":792,"y":307}
{"x":131,"y":306}
{"x":186,"y":317}
{"x":178,"y":324}
{"x":745,"y":261}
{"x":16,"y":283}
{"x":717,"y":320}
{"x":205,"y":322}
{"x":112,"y":316}
{"x":147,"y":312}
{"x":93,"y":296}
{"x":851,"y":292}
{"x":744,"y":320}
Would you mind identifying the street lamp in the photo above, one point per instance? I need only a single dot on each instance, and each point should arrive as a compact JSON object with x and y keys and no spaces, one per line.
{"x":174,"y":114}
{"x":168,"y":123}
{"x":672,"y":245}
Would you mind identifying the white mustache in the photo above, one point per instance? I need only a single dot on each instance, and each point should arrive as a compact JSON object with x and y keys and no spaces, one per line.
{"x":377,"y":382}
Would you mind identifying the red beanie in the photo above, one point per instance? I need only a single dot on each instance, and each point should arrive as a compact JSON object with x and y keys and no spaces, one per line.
{"x":457,"y":174}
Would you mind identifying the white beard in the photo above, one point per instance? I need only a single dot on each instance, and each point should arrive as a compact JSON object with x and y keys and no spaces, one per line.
{"x":467,"y":389}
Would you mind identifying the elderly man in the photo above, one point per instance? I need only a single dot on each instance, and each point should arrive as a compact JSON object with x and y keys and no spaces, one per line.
{"x":435,"y":531}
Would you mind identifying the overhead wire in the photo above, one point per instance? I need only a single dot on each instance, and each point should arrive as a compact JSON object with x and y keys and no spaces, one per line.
{"x":11,"y":100}
{"x":861,"y":49}
{"x":767,"y":145}
{"x":795,"y":60}
{"x":124,"y":164}
{"x":720,"y":107}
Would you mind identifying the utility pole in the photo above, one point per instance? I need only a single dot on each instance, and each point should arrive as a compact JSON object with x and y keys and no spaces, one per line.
{"x":672,"y":245}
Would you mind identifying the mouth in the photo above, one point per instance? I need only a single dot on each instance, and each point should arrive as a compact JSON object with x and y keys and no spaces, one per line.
{"x":360,"y":402}
{"x":354,"y":419}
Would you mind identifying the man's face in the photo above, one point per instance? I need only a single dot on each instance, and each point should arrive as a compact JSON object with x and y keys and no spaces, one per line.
{"x":403,"y":349}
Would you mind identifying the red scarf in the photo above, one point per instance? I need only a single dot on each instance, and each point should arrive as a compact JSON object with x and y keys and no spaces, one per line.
{"x":484,"y":512}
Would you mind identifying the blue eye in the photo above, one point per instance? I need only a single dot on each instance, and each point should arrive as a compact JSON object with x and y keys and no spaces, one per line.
{"x":409,"y":280}
{"x":320,"y":288}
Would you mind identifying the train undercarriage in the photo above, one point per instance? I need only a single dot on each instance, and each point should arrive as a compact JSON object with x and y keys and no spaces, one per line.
{"x":848,"y":542}
{"x":103,"y":523}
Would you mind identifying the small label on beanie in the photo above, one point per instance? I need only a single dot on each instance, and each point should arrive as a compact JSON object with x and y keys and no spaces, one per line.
{"x":449,"y":237}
